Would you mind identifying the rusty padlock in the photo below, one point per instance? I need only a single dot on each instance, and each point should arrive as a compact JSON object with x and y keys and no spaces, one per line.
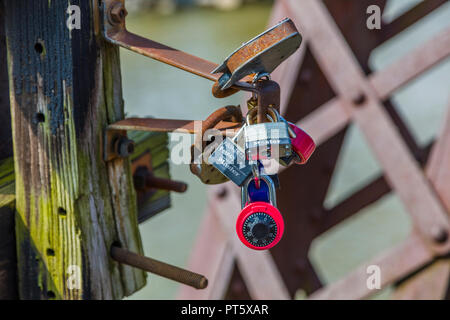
{"x":206,"y":172}
{"x":260,"y":55}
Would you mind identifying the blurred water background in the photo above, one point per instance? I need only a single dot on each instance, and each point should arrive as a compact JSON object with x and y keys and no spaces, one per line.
{"x":212,"y":30}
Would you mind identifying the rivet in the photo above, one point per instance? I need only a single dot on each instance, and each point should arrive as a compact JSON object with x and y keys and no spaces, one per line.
{"x":222,"y":193}
{"x":359,"y":99}
{"x":439,"y":235}
{"x":117,"y":13}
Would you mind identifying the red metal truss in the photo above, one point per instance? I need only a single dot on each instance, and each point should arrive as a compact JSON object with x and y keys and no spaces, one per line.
{"x":326,"y":86}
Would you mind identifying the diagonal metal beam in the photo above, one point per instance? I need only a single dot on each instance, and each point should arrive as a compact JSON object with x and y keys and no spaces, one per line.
{"x":347,"y":79}
{"x":328,"y":119}
{"x":413,"y":64}
{"x":432,"y":283}
{"x":365,"y":196}
{"x":410,"y":17}
{"x":394,"y":264}
{"x":212,"y":242}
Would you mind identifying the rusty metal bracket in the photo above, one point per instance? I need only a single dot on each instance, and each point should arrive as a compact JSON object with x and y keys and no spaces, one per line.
{"x":114,"y":31}
{"x":167,"y":125}
{"x":261,"y":55}
{"x":265,"y":92}
{"x":118,"y":145}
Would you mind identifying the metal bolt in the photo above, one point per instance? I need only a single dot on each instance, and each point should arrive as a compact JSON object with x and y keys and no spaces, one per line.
{"x":160,"y":268}
{"x":166,"y":184}
{"x":222,"y":193}
{"x":359,"y":99}
{"x":145,"y":179}
{"x":117,"y":13}
{"x":124,"y":147}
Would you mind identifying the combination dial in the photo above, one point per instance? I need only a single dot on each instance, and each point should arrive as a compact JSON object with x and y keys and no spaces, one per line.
{"x":260,"y":229}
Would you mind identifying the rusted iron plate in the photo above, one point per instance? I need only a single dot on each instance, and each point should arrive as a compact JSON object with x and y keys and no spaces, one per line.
{"x":261,"y":54}
{"x":115,"y":32}
{"x":165,"y":54}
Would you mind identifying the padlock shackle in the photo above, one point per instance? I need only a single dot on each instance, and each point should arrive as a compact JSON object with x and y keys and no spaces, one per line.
{"x":271,"y":115}
{"x":203,"y":170}
{"x":270,"y":185}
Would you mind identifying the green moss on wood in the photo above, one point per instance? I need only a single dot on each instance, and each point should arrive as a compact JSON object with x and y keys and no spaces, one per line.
{"x":71,"y":205}
{"x":7,"y":185}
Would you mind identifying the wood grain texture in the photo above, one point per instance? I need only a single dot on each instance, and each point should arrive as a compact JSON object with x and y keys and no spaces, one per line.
{"x":65,"y":88}
{"x":8,"y":261}
{"x":5,"y":118}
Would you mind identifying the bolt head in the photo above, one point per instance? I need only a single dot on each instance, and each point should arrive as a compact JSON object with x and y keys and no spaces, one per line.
{"x":359,"y":99}
{"x":439,"y":235}
{"x":223,"y":192}
{"x":125,"y":147}
{"x":117,"y":13}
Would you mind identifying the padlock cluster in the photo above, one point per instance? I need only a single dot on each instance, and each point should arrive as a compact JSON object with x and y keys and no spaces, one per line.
{"x":242,"y":159}
{"x":264,"y":135}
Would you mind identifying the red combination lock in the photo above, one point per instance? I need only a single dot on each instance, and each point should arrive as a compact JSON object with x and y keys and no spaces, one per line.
{"x":260,"y":225}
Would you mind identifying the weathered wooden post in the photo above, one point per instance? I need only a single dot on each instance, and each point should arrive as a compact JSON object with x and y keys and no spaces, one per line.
{"x":65,"y":87}
{"x":8,"y":279}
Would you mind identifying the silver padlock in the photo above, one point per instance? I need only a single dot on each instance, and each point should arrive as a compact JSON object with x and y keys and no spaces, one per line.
{"x":229,"y":158}
{"x":266,"y":140}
